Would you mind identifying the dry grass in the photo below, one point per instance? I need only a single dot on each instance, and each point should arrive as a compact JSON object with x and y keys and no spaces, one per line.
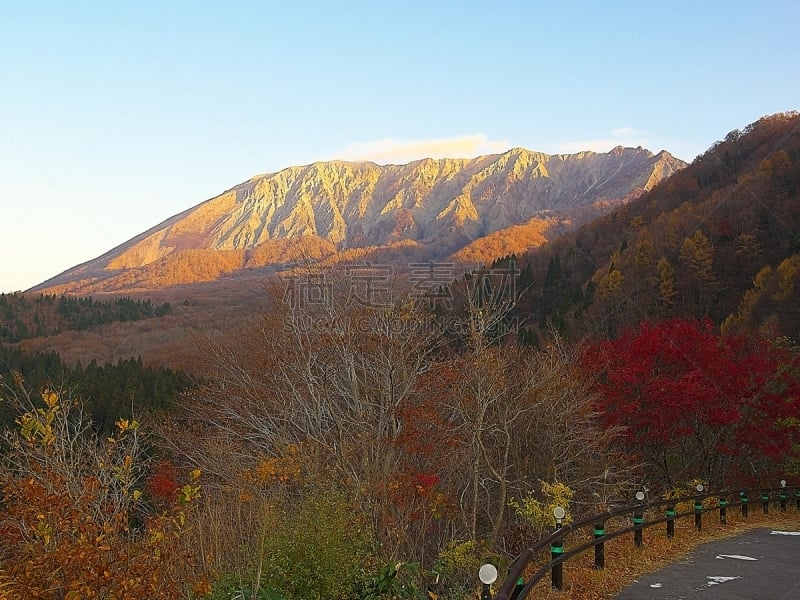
{"x":625,"y":563}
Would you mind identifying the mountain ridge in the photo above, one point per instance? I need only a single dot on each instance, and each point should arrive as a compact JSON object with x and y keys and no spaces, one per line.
{"x":434,"y":208}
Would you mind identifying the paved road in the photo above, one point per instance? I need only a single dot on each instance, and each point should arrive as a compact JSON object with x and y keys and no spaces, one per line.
{"x":759,"y":565}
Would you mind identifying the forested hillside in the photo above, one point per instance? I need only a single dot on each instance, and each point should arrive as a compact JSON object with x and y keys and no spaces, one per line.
{"x":110,"y":391}
{"x":719,"y":239}
{"x":25,"y":316}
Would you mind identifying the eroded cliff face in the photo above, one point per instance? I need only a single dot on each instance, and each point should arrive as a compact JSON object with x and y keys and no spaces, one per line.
{"x":443,"y":206}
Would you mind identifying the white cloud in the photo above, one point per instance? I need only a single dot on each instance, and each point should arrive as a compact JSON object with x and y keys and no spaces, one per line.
{"x":623,"y":136}
{"x":392,"y":150}
{"x":625,"y":132}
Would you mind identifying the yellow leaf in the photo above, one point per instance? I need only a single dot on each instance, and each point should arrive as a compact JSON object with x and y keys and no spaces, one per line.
{"x":50,"y":399}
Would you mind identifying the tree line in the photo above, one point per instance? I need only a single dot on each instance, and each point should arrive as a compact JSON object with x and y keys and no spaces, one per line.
{"x":110,"y":391}
{"x":23,"y":316}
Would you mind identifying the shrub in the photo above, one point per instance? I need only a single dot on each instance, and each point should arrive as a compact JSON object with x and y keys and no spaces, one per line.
{"x":75,"y":524}
{"x":315,"y":549}
{"x":539,"y":515}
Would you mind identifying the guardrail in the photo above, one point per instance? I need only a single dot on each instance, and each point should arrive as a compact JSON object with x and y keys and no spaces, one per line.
{"x":514,"y":587}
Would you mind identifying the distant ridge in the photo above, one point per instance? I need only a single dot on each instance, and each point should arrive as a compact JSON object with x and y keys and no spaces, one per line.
{"x":719,"y":240}
{"x":457,"y":209}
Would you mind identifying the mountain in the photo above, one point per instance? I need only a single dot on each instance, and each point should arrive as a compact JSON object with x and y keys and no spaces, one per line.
{"x":719,"y":239}
{"x":465,"y":210}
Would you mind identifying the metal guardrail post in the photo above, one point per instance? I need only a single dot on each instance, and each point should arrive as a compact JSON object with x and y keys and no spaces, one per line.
{"x":723,"y":511}
{"x":698,"y":514}
{"x":556,"y":550}
{"x":638,"y":522}
{"x":670,"y":521}
{"x":557,"y":572}
{"x":745,"y":500}
{"x":599,"y":547}
{"x":765,"y":503}
{"x":517,"y":589}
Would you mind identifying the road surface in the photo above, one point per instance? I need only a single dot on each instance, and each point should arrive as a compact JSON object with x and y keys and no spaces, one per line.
{"x":763,"y":564}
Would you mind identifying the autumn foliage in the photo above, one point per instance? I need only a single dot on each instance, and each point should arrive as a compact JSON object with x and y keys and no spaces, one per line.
{"x":716,"y":239}
{"x":75,"y":522}
{"x":696,"y":404}
{"x":163,"y":482}
{"x":359,"y":441}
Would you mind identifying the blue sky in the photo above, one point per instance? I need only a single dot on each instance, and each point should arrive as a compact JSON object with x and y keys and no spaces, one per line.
{"x":115,"y":116}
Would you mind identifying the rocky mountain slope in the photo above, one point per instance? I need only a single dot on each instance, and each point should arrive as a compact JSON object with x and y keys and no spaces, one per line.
{"x":456,"y":209}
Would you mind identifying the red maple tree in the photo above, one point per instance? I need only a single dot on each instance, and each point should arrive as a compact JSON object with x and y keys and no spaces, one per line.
{"x":698,"y":405}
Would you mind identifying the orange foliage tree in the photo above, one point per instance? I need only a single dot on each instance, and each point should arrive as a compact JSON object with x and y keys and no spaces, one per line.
{"x":75,"y":522}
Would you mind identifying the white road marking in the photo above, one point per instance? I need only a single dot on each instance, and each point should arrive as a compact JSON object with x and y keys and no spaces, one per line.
{"x":784,"y":532}
{"x":716,"y":580}
{"x":736,"y":556}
